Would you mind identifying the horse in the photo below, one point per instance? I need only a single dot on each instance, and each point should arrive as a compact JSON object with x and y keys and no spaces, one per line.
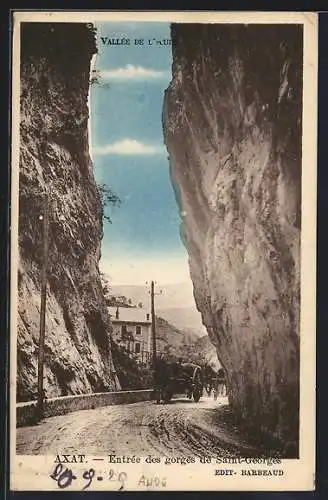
{"x":208,"y":374}
{"x":193,"y":375}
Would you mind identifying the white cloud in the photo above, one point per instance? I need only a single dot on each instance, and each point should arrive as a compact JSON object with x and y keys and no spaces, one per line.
{"x":131,"y":72}
{"x":129,"y":147}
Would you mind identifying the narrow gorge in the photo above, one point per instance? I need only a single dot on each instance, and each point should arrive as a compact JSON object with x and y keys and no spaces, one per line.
{"x":232,"y":126}
{"x":54,"y":158}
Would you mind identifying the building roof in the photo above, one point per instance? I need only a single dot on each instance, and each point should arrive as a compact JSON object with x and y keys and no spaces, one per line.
{"x":129,"y":315}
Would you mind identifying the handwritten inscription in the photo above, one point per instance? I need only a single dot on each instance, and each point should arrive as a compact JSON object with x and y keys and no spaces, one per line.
{"x":151,"y":482}
{"x":65,"y":477}
{"x":62,"y":476}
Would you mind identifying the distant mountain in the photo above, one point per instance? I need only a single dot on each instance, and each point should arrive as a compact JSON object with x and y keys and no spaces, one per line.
{"x":173,"y":295}
{"x":184,"y":318}
{"x":177,"y":343}
{"x":171,"y":340}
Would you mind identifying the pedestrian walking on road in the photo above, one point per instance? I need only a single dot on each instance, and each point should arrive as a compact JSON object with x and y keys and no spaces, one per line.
{"x":219,"y":384}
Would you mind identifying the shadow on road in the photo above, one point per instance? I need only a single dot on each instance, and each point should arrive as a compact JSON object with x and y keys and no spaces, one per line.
{"x":175,"y":401}
{"x":184,"y":399}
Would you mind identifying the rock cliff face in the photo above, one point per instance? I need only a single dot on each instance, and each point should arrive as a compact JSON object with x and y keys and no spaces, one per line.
{"x":232,"y":126}
{"x":54,"y":156}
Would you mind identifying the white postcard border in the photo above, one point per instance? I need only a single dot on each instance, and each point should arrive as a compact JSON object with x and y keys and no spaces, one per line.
{"x":32,"y":473}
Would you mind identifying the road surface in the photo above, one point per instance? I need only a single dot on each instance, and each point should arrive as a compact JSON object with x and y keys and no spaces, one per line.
{"x":182,"y":426}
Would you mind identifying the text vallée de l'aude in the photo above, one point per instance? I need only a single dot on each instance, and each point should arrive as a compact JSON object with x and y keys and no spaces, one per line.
{"x":124,"y":42}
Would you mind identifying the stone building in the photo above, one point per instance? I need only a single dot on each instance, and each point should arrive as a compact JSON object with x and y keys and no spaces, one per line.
{"x":132,"y":331}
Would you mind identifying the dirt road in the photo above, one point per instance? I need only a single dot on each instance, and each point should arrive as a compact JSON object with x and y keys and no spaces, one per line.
{"x":144,"y":428}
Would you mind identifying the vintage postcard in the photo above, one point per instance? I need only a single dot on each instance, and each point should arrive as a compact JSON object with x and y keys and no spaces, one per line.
{"x":163,"y":251}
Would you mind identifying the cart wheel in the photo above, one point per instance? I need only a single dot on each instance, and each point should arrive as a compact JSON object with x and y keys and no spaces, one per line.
{"x":158,"y":396}
{"x":167,"y":395}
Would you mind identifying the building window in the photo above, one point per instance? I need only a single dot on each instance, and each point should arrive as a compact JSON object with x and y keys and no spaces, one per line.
{"x":137,"y":348}
{"x":123,"y":331}
{"x":138,"y":330}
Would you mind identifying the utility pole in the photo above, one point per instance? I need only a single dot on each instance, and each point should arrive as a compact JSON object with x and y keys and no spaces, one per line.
{"x":45,"y":218}
{"x":153,"y":326}
{"x":153,"y":355}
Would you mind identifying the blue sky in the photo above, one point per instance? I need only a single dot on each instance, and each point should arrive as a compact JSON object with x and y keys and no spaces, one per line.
{"x":130,"y":157}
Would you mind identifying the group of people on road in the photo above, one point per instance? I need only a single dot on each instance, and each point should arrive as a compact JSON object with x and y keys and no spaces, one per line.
{"x":219,"y":384}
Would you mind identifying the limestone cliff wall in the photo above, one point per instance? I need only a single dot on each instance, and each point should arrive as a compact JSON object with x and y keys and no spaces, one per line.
{"x":232,"y":126}
{"x":54,"y":156}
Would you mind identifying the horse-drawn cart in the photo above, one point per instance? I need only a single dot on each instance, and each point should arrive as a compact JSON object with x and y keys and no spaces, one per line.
{"x":174,"y":378}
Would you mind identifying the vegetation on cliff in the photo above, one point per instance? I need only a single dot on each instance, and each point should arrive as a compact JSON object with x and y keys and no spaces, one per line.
{"x":54,"y":159}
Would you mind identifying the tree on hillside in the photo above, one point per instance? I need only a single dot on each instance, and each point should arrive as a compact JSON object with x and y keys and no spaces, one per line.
{"x":105,"y":284}
{"x":132,"y":375}
{"x":97,"y":79}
